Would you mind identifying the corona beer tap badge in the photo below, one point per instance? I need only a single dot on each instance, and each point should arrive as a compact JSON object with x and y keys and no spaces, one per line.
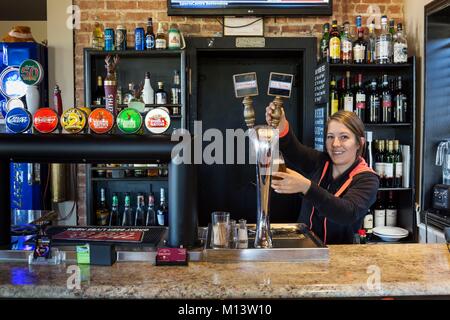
{"x":73,"y":120}
{"x":157,"y":121}
{"x":101,"y":121}
{"x":18,"y":120}
{"x":45,"y":120}
{"x":129,"y":121}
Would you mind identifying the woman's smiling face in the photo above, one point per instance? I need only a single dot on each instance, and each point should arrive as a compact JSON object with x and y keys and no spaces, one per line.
{"x":342,"y":145}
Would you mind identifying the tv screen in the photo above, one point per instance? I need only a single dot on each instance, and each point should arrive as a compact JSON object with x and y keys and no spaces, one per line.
{"x":248,"y":7}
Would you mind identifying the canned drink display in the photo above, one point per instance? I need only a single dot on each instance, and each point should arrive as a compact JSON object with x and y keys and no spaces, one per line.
{"x":73,"y":120}
{"x":109,"y":39}
{"x":45,"y":120}
{"x":129,"y":121}
{"x":18,"y":120}
{"x":139,"y":39}
{"x":121,"y":38}
{"x":101,"y":121}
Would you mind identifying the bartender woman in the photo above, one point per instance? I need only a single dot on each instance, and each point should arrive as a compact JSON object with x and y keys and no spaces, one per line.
{"x":338,"y":187}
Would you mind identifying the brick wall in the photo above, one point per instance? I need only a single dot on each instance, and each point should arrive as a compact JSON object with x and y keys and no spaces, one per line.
{"x":135,"y":13}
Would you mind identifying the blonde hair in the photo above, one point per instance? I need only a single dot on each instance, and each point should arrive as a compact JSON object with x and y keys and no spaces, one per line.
{"x":353,"y":123}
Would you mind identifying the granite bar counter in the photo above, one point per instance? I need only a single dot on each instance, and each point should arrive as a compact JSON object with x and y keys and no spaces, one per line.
{"x":352,"y":271}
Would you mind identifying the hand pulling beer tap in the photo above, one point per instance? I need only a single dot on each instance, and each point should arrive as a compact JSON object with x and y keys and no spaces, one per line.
{"x":280,"y":86}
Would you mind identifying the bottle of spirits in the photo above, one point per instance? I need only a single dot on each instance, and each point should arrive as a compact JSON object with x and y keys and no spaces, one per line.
{"x":114,"y":218}
{"x":334,"y":96}
{"x":161,"y":95}
{"x":151,"y":213}
{"x":360,"y":45}
{"x":398,"y":169}
{"x":119,"y":97}
{"x":384,"y":43}
{"x":325,"y":44}
{"x":368,"y":155}
{"x":163,"y":212}
{"x":391,"y":210}
{"x":368,"y":224}
{"x":99,"y":94}
{"x":161,"y":39}
{"x":348,"y":95}
{"x":346,"y":45}
{"x":140,"y":211}
{"x":400,"y":46}
{"x":392,"y":27}
{"x":372,"y":45}
{"x":374,"y":100}
{"x":335,"y":44}
{"x":386,"y":98}
{"x":97,"y":36}
{"x":379,"y":211}
{"x":129,"y":95}
{"x":360,"y":99}
{"x":148,"y":94}
{"x":342,"y":91}
{"x":150,"y":36}
{"x":127,"y":217}
{"x":380,"y":162}
{"x":400,"y":103}
{"x":175,"y":96}
{"x":389,"y":165}
{"x":102,"y":212}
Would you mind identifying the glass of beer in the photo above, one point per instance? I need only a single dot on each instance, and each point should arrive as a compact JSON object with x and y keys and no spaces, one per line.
{"x":278,"y":165}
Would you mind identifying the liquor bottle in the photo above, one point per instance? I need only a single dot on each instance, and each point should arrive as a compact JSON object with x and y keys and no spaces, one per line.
{"x":97,"y":36}
{"x":348,"y":94}
{"x":334,"y":96}
{"x":151,"y":213}
{"x":368,"y":223}
{"x":360,"y":99}
{"x":398,"y":168}
{"x":379,"y":211}
{"x":129,"y":95}
{"x":392,"y":27}
{"x":127,"y":217}
{"x":114,"y":217}
{"x":150,"y":36}
{"x":140,"y":211}
{"x":400,"y":103}
{"x":360,"y":46}
{"x":386,"y":101}
{"x":389,"y":165}
{"x":335,"y":44}
{"x":368,"y":155}
{"x":175,"y":96}
{"x":384,"y":43}
{"x":380,"y":161}
{"x":160,"y":40}
{"x":400,"y":46}
{"x":102,"y":211}
{"x":372,"y":45}
{"x":163,"y":212}
{"x":57,"y":101}
{"x":391,"y":210}
{"x":148,"y":94}
{"x":342,"y":91}
{"x":99,"y":95}
{"x":325,"y":44}
{"x":346,"y":45}
{"x":119,"y":97}
{"x":161,"y":95}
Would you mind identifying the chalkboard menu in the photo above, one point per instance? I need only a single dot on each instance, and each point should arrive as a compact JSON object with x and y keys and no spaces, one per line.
{"x":320,"y":118}
{"x":321,"y":84}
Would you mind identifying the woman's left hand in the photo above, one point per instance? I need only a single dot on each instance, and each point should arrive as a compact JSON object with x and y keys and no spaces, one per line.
{"x":291,"y":182}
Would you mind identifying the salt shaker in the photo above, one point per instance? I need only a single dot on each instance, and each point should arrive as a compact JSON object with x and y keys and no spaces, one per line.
{"x":242,"y":234}
{"x":233,"y":240}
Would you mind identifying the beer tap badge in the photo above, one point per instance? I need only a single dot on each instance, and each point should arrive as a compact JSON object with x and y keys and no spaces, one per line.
{"x":157,"y":121}
{"x":18,"y":120}
{"x":31,"y":72}
{"x":129,"y":121}
{"x":245,"y":85}
{"x":101,"y":121}
{"x":280,"y":85}
{"x":73,"y":120}
{"x":45,"y":120}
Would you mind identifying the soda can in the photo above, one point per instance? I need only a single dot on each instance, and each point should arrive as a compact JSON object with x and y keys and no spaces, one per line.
{"x":109,"y":39}
{"x":121,"y":38}
{"x":139,"y":39}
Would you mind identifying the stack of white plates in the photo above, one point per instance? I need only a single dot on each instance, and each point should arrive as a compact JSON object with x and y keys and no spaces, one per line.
{"x":390,"y":234}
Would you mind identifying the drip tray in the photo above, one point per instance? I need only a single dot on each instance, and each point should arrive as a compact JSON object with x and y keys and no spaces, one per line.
{"x":291,"y":243}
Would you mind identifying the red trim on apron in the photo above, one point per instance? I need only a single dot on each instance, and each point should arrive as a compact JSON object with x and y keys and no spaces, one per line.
{"x":360,"y":168}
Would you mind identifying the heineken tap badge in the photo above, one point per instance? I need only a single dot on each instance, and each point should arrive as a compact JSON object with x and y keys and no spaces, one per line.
{"x":246,"y":86}
{"x":110,"y":83}
{"x":280,"y":86}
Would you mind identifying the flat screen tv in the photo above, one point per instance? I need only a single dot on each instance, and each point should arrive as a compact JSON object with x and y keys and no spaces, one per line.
{"x":249,"y":7}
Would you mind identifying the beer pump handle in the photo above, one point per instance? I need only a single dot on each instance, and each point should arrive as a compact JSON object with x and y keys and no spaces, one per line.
{"x":249,"y":112}
{"x":277,"y":112}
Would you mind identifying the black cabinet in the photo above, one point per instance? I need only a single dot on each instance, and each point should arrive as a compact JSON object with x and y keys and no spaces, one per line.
{"x":131,"y":69}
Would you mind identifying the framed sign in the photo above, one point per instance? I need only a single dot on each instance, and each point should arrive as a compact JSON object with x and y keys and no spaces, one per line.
{"x":245,"y":85}
{"x":280,"y":85}
{"x":243,"y":26}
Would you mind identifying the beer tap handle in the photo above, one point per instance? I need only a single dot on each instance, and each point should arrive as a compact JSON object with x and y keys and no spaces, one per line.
{"x":276,"y":114}
{"x":249,"y":112}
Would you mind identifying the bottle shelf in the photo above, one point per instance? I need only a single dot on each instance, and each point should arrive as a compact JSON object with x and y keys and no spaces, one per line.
{"x":387,"y":125}
{"x":147,"y":107}
{"x":136,"y":53}
{"x":394,"y":189}
{"x":126,"y":168}
{"x":353,"y":66}
{"x":132,"y":179}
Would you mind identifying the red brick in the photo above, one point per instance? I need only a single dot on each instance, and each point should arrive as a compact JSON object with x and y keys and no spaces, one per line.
{"x":121,"y":5}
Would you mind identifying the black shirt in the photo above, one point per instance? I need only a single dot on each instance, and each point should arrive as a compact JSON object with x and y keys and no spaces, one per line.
{"x":344,"y":214}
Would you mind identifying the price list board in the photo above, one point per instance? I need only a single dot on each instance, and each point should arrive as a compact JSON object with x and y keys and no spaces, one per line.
{"x":321,"y":105}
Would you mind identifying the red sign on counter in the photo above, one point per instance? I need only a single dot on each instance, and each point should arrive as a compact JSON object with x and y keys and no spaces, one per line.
{"x":100,"y":235}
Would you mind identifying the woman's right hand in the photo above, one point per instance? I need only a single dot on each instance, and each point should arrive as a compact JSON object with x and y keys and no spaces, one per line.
{"x":283,"y":122}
